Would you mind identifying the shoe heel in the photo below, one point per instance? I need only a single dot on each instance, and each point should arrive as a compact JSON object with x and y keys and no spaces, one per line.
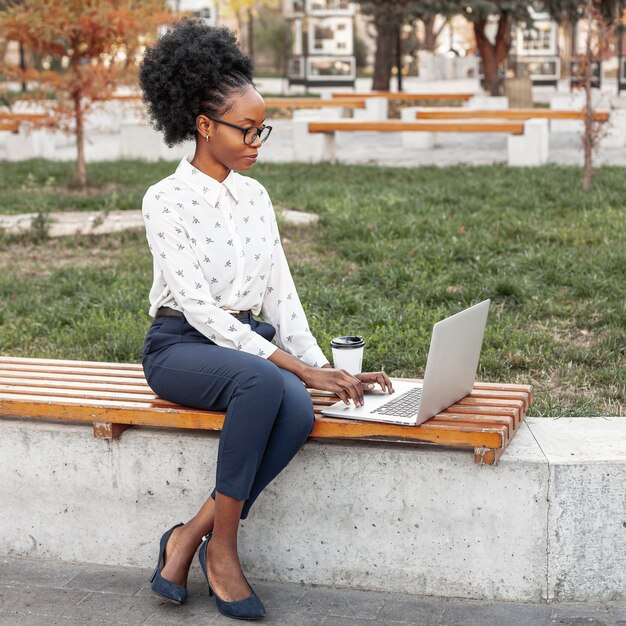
{"x":161,"y":586}
{"x":248,"y":608}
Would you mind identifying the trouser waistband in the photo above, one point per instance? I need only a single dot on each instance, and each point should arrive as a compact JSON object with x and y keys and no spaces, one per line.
{"x":166,"y":311}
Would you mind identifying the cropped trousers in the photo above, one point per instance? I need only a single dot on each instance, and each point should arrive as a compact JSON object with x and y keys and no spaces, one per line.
{"x":269,"y":413}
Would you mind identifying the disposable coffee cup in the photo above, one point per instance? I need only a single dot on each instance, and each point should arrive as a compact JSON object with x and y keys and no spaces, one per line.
{"x":348,"y":353}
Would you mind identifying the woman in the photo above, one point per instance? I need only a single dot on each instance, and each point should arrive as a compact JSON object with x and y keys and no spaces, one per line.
{"x":218,"y":261}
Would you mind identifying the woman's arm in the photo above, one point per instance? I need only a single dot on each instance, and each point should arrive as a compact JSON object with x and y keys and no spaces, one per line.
{"x":347,"y":387}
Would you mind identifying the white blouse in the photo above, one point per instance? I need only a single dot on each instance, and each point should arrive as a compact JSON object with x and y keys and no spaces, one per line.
{"x":216,"y":246}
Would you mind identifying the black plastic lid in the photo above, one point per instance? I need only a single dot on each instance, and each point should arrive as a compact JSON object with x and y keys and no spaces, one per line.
{"x":347,"y":343}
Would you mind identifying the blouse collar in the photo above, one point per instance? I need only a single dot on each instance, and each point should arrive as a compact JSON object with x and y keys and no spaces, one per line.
{"x":203,"y":184}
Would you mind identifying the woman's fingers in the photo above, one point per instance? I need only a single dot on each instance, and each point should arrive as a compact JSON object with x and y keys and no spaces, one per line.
{"x":386,"y":382}
{"x":352,"y":386}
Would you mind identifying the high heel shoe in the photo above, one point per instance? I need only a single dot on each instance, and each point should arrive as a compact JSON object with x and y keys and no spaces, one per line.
{"x":161,"y":586}
{"x":248,"y":608}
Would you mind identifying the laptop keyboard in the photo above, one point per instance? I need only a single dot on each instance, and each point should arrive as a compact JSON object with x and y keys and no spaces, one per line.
{"x":405,"y":405}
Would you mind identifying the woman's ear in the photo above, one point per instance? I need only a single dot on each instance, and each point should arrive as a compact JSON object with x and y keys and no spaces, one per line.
{"x":204,"y":127}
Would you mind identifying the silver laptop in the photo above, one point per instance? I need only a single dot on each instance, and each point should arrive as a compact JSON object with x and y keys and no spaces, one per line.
{"x":450,"y":374}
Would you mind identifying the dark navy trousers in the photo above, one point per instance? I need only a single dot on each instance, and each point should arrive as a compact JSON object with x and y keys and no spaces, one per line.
{"x":269,"y":412}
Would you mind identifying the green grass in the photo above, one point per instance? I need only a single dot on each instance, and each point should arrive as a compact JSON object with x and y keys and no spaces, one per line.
{"x":395,"y":251}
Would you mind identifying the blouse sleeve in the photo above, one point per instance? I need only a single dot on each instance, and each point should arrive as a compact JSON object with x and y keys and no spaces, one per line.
{"x":174,"y":257}
{"x":282,"y":307}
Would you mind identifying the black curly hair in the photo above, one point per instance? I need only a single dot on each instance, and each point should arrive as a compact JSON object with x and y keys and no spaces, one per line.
{"x":193,"y":68}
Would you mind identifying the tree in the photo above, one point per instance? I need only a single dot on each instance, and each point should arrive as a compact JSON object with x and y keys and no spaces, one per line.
{"x":95,"y":42}
{"x":388,"y":16}
{"x":601,"y":20}
{"x":503,"y":14}
{"x":246,"y":12}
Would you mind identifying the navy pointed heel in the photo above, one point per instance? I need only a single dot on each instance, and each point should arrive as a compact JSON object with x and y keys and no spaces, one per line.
{"x":161,"y":586}
{"x":248,"y":608}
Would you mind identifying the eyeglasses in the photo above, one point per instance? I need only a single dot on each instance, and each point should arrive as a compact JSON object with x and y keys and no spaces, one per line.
{"x":250,"y":134}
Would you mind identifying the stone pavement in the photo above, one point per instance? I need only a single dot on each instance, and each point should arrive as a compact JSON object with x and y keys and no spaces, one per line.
{"x":48,"y":593}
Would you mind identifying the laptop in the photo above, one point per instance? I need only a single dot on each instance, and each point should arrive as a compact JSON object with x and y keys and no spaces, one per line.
{"x":450,"y":374}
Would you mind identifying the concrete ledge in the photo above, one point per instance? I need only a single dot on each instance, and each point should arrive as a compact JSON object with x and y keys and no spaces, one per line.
{"x":549,"y":522}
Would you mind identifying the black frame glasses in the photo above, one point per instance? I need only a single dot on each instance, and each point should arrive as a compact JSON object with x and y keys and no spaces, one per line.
{"x":248,"y":137}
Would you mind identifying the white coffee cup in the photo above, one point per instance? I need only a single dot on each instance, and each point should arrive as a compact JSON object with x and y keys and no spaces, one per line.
{"x":348,"y":353}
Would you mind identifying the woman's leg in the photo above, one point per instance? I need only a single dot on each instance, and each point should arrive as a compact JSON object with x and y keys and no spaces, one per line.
{"x":250,"y":389}
{"x":292,"y":426}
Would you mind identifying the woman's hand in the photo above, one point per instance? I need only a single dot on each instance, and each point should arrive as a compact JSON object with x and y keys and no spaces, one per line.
{"x":346,"y":386}
{"x":370,"y":378}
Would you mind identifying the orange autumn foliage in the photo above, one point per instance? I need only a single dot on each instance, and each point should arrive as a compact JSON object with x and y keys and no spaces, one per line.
{"x":97,"y":43}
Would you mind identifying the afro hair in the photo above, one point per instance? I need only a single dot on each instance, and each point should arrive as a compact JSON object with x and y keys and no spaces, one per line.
{"x":192,"y":68}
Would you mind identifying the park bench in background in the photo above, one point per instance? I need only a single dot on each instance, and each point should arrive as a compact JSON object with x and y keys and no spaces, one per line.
{"x":413,"y":97}
{"x":314,"y":103}
{"x":452,"y":113}
{"x":614,"y":133}
{"x":114,"y":396}
{"x":527,"y":141}
{"x":12,"y":126}
{"x":10,"y":121}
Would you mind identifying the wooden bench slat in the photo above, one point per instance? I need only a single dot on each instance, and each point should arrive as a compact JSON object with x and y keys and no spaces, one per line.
{"x":444,"y":434}
{"x":477,"y":420}
{"x":455,"y":113}
{"x":74,"y":377}
{"x":80,"y":403}
{"x":393,"y":95}
{"x":9,"y":116}
{"x":502,"y":395}
{"x":485,"y":410}
{"x":11,"y":126}
{"x":92,"y":394}
{"x":527,"y":389}
{"x":131,"y":373}
{"x":395,"y":126}
{"x":314,"y":103}
{"x":16,"y":360}
{"x":134,"y":386}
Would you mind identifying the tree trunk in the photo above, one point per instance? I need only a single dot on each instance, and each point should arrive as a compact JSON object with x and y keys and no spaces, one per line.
{"x":240,"y":26}
{"x":493,"y":55}
{"x":23,"y":65}
{"x":383,"y":59}
{"x":251,"y":34}
{"x":430,"y":39}
{"x":81,"y":171}
{"x":399,"y":57}
{"x":588,"y":134}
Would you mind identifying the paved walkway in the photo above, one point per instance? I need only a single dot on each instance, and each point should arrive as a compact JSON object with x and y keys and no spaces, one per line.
{"x":48,"y":593}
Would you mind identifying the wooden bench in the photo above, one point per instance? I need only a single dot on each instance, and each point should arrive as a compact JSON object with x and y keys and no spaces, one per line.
{"x":395,"y":126}
{"x":314,"y":103}
{"x":11,"y":122}
{"x":115,"y":396}
{"x":8,"y":116}
{"x":527,"y":139}
{"x":12,"y":126}
{"x":506,"y":114}
{"x":127,"y":97}
{"x":399,"y":95}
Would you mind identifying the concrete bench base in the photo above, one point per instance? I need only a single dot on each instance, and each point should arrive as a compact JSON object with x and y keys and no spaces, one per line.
{"x":531,"y":148}
{"x":547,"y":523}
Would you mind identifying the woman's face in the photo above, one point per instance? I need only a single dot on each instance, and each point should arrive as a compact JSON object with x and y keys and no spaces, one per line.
{"x":225,"y":148}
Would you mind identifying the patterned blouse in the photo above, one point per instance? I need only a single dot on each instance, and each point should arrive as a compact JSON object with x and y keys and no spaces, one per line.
{"x":216,"y":246}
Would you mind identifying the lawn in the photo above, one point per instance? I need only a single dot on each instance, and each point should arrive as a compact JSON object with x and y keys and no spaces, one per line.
{"x":395,"y":250}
